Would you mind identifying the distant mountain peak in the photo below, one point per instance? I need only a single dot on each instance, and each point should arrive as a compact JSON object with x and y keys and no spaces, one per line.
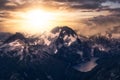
{"x":64,"y":36}
{"x":16,"y":36}
{"x":65,"y":30}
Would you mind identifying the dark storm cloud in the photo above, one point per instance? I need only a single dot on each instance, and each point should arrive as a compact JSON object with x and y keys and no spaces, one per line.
{"x":4,"y":5}
{"x":114,"y":0}
{"x":116,"y":29}
{"x":92,"y":4}
{"x":116,"y":10}
{"x":102,"y":24}
{"x":105,"y":20}
{"x":86,"y":6}
{"x":82,"y":4}
{"x":75,"y":4}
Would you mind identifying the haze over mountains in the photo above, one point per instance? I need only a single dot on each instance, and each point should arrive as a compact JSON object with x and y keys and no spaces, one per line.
{"x":61,"y":54}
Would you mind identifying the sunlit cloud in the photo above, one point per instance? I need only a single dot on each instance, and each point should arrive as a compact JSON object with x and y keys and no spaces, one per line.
{"x":78,"y":14}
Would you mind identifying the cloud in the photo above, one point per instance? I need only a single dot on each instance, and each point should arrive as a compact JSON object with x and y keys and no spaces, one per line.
{"x":88,"y":9}
{"x":105,"y":20}
{"x":7,"y":5}
{"x":98,"y":5}
{"x":102,"y":24}
{"x":115,"y":29}
{"x":82,"y":4}
{"x":61,"y":4}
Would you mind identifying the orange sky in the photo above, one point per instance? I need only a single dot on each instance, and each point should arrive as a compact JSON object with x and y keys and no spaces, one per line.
{"x":80,"y":15}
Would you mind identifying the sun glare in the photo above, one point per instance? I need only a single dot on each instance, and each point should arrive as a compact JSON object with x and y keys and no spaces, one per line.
{"x":37,"y":20}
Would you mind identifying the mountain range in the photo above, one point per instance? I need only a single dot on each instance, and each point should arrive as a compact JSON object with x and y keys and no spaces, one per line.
{"x":60,"y":54}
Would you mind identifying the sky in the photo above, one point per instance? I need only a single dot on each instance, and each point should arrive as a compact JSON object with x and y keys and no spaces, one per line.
{"x":88,"y":17}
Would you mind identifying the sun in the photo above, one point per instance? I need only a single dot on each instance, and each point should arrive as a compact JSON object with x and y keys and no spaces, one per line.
{"x":36,"y":20}
{"x":38,"y":17}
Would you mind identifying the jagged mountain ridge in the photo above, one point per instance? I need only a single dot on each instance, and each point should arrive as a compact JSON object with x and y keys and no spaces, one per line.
{"x":56,"y":54}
